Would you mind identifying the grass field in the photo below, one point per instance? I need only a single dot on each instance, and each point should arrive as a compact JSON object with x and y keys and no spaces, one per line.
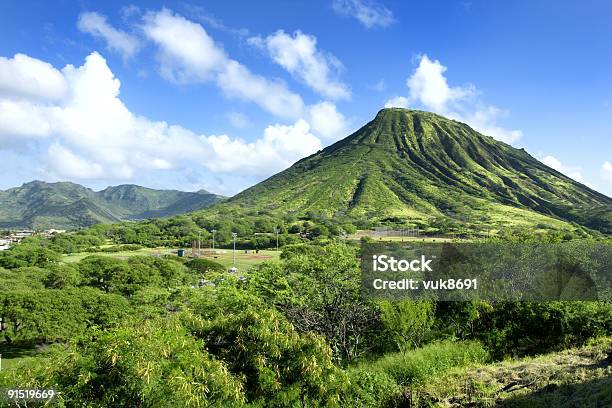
{"x":243,"y":260}
{"x":223,"y":256}
{"x":579,"y":377}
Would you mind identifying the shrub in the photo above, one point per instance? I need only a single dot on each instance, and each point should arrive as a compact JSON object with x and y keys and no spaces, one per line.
{"x":280,"y":367}
{"x":370,"y":389}
{"x":406,"y":322}
{"x":433,"y":359}
{"x":204,"y":266}
{"x":520,"y":328}
{"x":148,"y":364}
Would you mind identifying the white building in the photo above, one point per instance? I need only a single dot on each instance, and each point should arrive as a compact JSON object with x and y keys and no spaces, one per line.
{"x":4,"y":244}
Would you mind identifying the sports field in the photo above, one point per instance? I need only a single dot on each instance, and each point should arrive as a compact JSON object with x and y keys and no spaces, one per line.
{"x":244,"y":259}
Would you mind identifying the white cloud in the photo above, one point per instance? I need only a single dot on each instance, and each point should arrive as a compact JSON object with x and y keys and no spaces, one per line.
{"x":327,"y":121}
{"x":299,"y":55}
{"x":429,"y":89}
{"x":22,"y":76}
{"x":429,"y":86}
{"x":91,"y":134}
{"x":397,"y":102}
{"x":65,"y":163}
{"x":484,"y":119}
{"x":369,"y":13}
{"x":571,"y":172}
{"x":238,"y":120}
{"x":278,"y":149}
{"x":236,"y":81}
{"x":606,"y":171}
{"x":23,"y":119}
{"x":116,"y":40}
{"x":187,"y":54}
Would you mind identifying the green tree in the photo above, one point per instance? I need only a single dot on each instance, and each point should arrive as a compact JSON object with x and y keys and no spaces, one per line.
{"x":30,"y":253}
{"x":323,"y":295}
{"x":407,"y":322}
{"x":280,"y":366}
{"x":101,"y":271}
{"x":61,"y":276}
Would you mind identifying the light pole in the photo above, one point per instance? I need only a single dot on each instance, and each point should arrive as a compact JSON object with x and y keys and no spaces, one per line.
{"x":213,"y":231}
{"x":234,"y":235}
{"x":199,"y":243}
{"x":277,"y":230}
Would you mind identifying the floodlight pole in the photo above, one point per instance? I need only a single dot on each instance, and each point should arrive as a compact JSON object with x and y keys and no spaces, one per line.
{"x":199,"y":243}
{"x":277,"y":230}
{"x":234,"y":253}
{"x":213,"y":231}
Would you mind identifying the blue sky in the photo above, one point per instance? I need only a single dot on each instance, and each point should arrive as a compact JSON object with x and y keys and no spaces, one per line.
{"x":220,"y":95}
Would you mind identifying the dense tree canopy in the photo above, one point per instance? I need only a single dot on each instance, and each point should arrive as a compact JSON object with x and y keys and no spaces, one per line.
{"x":144,"y":331}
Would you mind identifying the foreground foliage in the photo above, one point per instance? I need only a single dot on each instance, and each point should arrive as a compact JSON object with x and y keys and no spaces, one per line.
{"x":160,"y":331}
{"x":578,"y":377}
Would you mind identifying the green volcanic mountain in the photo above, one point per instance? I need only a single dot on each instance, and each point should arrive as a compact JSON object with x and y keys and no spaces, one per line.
{"x":67,"y":205}
{"x":423,"y":169}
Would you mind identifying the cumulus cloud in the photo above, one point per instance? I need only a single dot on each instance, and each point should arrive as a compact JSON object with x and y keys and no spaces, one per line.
{"x":369,"y":13}
{"x":89,"y":133}
{"x":23,"y":119}
{"x":429,"y":89}
{"x":22,"y":76}
{"x":237,"y":81}
{"x":187,"y":54}
{"x":397,"y":102}
{"x":571,"y":172}
{"x":116,"y":40}
{"x":278,"y":149}
{"x":429,"y":86}
{"x":484,"y":119}
{"x":299,"y":55}
{"x":327,"y":121}
{"x":64,"y":162}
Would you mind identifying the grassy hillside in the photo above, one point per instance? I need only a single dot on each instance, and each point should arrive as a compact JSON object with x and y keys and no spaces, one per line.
{"x":422,"y":169}
{"x":67,"y":205}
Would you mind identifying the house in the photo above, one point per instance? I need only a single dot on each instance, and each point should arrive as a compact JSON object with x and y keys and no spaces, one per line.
{"x":4,"y":244}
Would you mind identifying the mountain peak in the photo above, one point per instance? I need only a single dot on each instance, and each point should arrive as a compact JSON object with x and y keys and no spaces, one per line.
{"x":422,"y":168}
{"x":386,"y":113}
{"x":405,"y":129}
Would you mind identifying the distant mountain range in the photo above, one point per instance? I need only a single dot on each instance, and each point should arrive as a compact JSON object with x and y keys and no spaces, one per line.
{"x":421,"y":168}
{"x":66,"y":205}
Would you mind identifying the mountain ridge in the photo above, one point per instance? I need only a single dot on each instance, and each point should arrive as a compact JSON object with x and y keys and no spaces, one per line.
{"x":67,"y":205}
